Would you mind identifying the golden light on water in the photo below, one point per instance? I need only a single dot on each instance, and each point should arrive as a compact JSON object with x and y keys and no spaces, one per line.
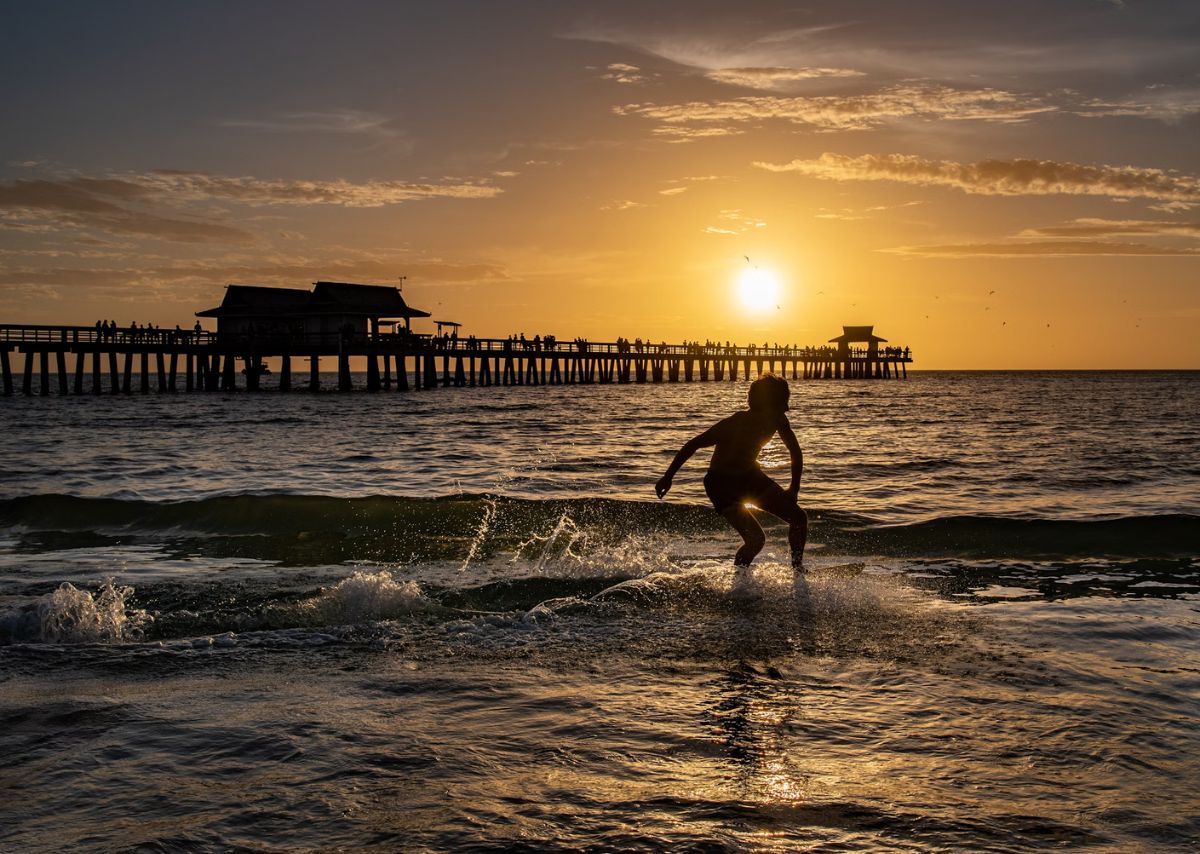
{"x":758,"y":289}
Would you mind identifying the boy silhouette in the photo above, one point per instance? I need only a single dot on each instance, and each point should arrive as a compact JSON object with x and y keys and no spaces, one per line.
{"x":734,"y":478}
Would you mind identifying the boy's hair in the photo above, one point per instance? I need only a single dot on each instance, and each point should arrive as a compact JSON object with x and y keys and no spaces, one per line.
{"x":769,"y":392}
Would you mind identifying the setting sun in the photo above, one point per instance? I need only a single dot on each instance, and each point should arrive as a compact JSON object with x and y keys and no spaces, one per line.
{"x":758,"y":289}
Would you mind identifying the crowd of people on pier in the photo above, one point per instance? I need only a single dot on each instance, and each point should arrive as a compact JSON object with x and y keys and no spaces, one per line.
{"x":147,"y":333}
{"x":519,"y":342}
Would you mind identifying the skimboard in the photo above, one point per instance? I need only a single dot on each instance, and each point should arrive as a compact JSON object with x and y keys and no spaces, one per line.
{"x":838,"y":570}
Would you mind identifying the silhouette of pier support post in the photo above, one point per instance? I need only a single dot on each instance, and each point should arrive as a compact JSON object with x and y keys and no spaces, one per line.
{"x":6,"y":371}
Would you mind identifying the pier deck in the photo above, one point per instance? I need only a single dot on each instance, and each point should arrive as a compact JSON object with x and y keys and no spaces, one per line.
{"x":207,"y":361}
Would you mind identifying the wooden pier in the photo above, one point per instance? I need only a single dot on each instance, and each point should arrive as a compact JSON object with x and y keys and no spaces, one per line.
{"x":341,"y":321}
{"x":87,"y":360}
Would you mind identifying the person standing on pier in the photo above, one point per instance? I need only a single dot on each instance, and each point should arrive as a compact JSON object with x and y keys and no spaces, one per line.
{"x":734,"y":477}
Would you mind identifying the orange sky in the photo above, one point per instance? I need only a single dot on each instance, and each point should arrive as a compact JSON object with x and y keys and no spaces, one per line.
{"x":1010,"y":187}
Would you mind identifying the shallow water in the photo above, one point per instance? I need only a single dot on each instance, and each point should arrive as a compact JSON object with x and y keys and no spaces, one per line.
{"x":460,"y":619}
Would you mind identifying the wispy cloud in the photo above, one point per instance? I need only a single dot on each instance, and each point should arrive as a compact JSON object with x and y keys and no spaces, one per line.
{"x":201,"y":186}
{"x":93,"y":203}
{"x":1091,"y":227}
{"x":683,"y":133}
{"x":1000,"y":177}
{"x":1166,"y":104}
{"x":134,"y":203}
{"x":623,"y":72}
{"x":775,"y":77}
{"x":840,"y":112}
{"x":855,"y":214}
{"x":193,"y":281}
{"x":339,"y":122}
{"x":734,"y":221}
{"x":1042,"y":248}
{"x":622,"y":205}
{"x":952,"y":49}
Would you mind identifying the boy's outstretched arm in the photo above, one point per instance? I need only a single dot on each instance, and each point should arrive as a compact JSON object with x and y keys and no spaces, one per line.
{"x":797,"y":455}
{"x":705,"y":440}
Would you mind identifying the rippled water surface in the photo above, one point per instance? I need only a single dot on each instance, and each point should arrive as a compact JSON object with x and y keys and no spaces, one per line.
{"x":460,"y":619}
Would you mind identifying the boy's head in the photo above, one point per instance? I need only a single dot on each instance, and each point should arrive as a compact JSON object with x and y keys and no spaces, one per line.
{"x":769,"y":392}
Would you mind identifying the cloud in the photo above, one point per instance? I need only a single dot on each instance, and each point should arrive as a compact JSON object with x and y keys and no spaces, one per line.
{"x":854,"y":214}
{"x":1089,"y":227}
{"x":1173,"y":207}
{"x":672,"y":191}
{"x":1051,"y":248}
{"x":337,"y":122}
{"x":131,"y":203}
{"x":1166,"y":104}
{"x":774,"y":76}
{"x":199,"y":282}
{"x":86,"y":203}
{"x":630,"y":75}
{"x":201,"y":186}
{"x":916,"y":46}
{"x":677,"y":133}
{"x":733,"y":221}
{"x":622,"y":205}
{"x":1000,"y":177}
{"x":841,"y":112}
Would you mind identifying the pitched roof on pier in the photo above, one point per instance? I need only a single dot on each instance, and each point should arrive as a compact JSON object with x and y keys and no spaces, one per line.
{"x":257,"y":301}
{"x":339,"y":298}
{"x":369,"y":300}
{"x":856,"y":334}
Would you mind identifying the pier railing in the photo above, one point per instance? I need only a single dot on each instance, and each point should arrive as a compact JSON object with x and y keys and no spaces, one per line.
{"x":208,"y":359}
{"x":268,"y":342}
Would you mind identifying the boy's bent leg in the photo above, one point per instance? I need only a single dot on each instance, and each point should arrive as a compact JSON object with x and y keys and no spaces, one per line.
{"x":797,"y":537}
{"x":782,"y":506}
{"x":753,"y":538}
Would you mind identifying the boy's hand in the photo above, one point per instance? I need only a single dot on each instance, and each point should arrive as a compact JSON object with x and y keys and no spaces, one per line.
{"x":663,"y":486}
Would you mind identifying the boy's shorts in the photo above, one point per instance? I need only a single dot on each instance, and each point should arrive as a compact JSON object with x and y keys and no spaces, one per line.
{"x":727,"y":489}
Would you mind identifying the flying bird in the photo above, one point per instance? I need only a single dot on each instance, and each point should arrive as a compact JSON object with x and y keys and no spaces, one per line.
{"x":990,"y":293}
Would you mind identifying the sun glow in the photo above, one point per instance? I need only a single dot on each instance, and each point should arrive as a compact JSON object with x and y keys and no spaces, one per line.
{"x":758,"y":289}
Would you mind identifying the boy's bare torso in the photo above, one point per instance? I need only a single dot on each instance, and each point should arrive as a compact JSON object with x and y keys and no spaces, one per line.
{"x":740,"y":438}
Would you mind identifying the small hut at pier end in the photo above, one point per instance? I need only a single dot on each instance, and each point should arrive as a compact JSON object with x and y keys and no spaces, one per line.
{"x":859,"y":363}
{"x":857,"y":335}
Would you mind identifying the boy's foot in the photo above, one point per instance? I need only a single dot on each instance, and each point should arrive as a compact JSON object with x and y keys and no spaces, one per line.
{"x":798,"y":566}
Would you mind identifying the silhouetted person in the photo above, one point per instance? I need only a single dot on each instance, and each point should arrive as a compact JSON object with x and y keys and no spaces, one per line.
{"x":734,"y":478}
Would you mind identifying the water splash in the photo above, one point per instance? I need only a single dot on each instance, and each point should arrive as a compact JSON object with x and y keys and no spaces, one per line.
{"x":366,"y":596}
{"x":71,"y":615}
{"x":491,"y":505}
{"x":558,"y":545}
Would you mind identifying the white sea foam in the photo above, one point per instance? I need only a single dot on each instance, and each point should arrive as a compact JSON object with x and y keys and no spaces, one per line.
{"x":367,"y":596}
{"x":71,"y":615}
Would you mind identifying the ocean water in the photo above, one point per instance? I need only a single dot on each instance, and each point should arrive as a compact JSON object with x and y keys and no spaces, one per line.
{"x":460,"y":619}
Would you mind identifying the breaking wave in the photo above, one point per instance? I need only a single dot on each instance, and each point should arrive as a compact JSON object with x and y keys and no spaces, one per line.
{"x":299,"y":529}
